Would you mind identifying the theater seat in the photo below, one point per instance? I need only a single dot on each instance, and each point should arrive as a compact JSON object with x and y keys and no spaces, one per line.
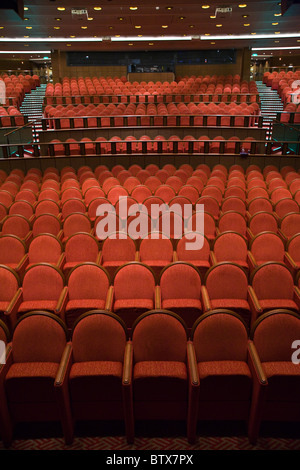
{"x":88,"y":285}
{"x":31,"y":379}
{"x":180,"y":291}
{"x":98,"y":371}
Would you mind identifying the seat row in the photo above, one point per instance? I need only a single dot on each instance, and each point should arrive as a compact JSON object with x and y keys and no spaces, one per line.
{"x":158,"y":144}
{"x":135,"y":287}
{"x":159,"y":373}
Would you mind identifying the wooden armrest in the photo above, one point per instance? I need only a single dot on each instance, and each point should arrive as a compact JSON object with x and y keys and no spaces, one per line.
{"x":109,"y":299}
{"x":255,"y":364}
{"x":251,"y":261}
{"x":137,"y":256}
{"x":205,"y":299}
{"x":192,"y":365}
{"x":61,"y":261}
{"x":127,"y":367}
{"x":64,"y":366}
{"x":213,"y":259}
{"x":157,"y":299}
{"x":62,"y":301}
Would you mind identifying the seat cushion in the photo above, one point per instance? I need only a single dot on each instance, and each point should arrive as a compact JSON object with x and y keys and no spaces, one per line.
{"x":83,"y":304}
{"x":159,"y":381}
{"x":224,"y":380}
{"x":96,"y":381}
{"x":268,"y":304}
{"x":3,"y":306}
{"x":133,"y":303}
{"x":230,"y":303}
{"x":181,"y":303}
{"x":283,"y":381}
{"x":31,"y":382}
{"x":37,"y":305}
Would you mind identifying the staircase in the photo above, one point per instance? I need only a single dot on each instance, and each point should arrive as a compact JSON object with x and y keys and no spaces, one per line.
{"x":271,"y":104}
{"x":32,"y":106}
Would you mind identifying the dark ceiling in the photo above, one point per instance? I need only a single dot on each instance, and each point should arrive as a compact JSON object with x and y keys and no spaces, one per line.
{"x":110,"y":25}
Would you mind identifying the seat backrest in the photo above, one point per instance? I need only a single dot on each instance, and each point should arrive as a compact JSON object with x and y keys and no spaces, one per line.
{"x":180,"y":280}
{"x":42,"y":282}
{"x":232,"y":221}
{"x":39,"y":337}
{"x":134,"y":280}
{"x":75,"y":223}
{"x":16,"y":225}
{"x":12,"y":249}
{"x":88,"y":281}
{"x":274,"y":333}
{"x":156,"y":247}
{"x":81,"y":247}
{"x":262,"y":222}
{"x":267,"y":247}
{"x":99,"y":336}
{"x":117,"y":248}
{"x":193,"y":246}
{"x":9,"y":282}
{"x":230,"y":246}
{"x":46,"y":223}
{"x":226,"y":281}
{"x":159,"y":335}
{"x":220,"y":335}
{"x":272,"y":281}
{"x":45,"y":248}
{"x":290,"y":224}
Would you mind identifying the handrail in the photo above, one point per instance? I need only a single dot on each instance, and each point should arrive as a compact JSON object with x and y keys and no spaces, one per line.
{"x":139,"y":118}
{"x":21,"y":127}
{"x":111,"y":148}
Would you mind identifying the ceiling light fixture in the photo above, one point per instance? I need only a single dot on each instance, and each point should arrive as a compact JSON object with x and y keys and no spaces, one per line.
{"x":242,"y":5}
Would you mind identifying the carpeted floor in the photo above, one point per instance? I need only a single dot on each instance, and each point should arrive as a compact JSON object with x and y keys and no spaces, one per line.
{"x":212,"y":436}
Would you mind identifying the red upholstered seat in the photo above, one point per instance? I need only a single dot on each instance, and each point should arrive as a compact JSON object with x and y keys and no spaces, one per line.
{"x":226,"y":371}
{"x":42,"y":289}
{"x":88,"y":285}
{"x":133,"y":291}
{"x":160,"y":367}
{"x":30,"y":381}
{"x":273,"y":338}
{"x":226,"y":286}
{"x":117,"y":249}
{"x":232,"y":247}
{"x":273,"y":287}
{"x":180,"y":290}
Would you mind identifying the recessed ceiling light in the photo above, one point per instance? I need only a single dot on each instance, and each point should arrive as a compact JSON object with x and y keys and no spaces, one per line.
{"x":133,"y":8}
{"x":117,"y":35}
{"x":120,"y":18}
{"x":56,"y":27}
{"x":130,"y":44}
{"x":72,"y":36}
{"x":169,"y":8}
{"x":246,"y":24}
{"x":213,"y":43}
{"x":61,"y":8}
{"x":90,"y":18}
{"x":192,"y":26}
{"x":28,"y":27}
{"x":26,"y":36}
{"x":26,"y":19}
{"x":253,"y":33}
{"x":58,"y":19}
{"x":277,"y":32}
{"x":25,"y":8}
{"x":1,"y":27}
{"x":213,"y":16}
{"x":164,"y":26}
{"x":219,"y":25}
{"x":205,"y":7}
{"x":69,"y":45}
{"x":151,"y":43}
{"x":277,"y":14}
{"x":242,"y":5}
{"x":274,"y":24}
{"x":207,"y":34}
{"x":97,"y":8}
{"x":276,"y":41}
{"x":245,"y":16}
{"x":138,"y":27}
{"x":140,"y":35}
{"x":182,"y":17}
{"x":83,"y":27}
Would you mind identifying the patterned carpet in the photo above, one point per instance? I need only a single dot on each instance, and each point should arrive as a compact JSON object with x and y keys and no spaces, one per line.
{"x":215,"y":436}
